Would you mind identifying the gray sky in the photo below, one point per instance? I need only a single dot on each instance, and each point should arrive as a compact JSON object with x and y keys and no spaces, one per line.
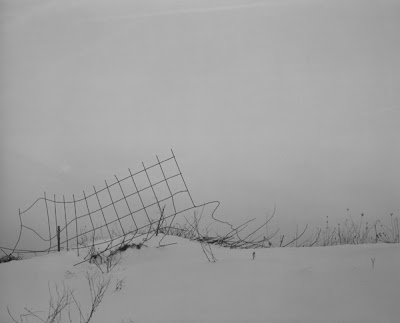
{"x":287,"y":103}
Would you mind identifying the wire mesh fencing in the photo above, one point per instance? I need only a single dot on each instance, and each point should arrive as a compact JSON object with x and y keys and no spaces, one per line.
{"x":131,"y":205}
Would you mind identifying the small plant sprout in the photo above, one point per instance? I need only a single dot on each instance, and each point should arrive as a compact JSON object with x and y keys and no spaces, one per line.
{"x":254,"y":255}
{"x":373,"y":262}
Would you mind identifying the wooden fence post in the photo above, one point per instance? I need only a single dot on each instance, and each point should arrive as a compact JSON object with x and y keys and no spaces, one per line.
{"x":58,"y":238}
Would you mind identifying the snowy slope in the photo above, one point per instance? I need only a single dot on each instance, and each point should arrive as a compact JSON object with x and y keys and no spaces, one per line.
{"x":176,"y":283}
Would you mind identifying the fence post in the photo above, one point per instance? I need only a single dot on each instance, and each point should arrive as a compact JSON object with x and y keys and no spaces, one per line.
{"x":58,"y":238}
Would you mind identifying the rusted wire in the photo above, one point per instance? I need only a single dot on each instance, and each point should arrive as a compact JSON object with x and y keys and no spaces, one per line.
{"x":176,"y":162}
{"x":126,"y":201}
{"x":55,"y":212}
{"x":170,"y":192}
{"x":140,"y":197}
{"x":76,"y":224}
{"x":102,"y":212}
{"x":66,"y":226}
{"x":115,"y":209}
{"x":48,"y":218}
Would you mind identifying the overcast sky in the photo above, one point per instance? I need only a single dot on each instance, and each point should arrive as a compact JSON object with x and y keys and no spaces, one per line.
{"x":287,"y":103}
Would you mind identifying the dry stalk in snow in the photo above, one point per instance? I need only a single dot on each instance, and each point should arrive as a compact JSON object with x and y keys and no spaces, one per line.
{"x":60,"y":302}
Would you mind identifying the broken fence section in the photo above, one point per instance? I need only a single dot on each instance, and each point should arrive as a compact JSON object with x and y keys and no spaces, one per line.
{"x":125,"y":206}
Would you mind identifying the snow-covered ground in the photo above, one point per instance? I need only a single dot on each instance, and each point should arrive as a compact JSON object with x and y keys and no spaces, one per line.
{"x":177,"y":284}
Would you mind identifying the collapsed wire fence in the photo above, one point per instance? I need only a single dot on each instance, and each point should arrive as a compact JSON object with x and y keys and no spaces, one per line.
{"x":152,"y":200}
{"x":129,"y":206}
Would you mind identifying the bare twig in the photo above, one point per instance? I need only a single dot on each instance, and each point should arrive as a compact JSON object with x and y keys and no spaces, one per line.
{"x":296,"y":238}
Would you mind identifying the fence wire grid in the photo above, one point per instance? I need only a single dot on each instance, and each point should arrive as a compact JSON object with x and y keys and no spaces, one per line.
{"x":128,"y":205}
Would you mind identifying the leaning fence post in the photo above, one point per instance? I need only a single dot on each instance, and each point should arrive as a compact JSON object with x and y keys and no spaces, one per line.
{"x":58,"y":238}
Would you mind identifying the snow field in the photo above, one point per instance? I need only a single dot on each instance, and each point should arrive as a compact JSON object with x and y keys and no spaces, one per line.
{"x":177,"y":283}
